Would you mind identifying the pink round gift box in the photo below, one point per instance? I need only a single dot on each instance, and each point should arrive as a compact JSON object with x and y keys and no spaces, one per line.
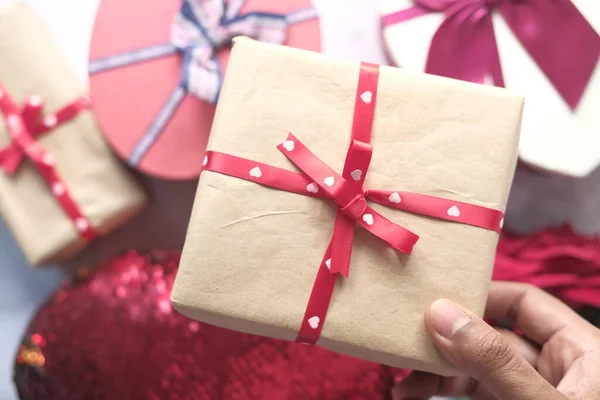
{"x":127,"y":99}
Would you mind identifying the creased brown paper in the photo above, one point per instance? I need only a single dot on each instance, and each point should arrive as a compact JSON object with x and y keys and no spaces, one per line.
{"x":252,"y":252}
{"x":31,"y":63}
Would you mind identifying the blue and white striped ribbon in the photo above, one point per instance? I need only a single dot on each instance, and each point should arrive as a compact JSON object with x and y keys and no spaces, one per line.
{"x":131,"y":57}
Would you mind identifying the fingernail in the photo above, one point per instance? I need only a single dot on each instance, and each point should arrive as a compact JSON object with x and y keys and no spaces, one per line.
{"x":448,"y":318}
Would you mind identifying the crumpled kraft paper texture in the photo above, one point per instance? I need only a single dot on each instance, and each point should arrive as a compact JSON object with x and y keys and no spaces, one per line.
{"x":31,"y":63}
{"x":252,"y":253}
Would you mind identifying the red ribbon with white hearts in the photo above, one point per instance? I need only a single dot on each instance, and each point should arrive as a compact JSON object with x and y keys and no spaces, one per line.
{"x":24,"y":126}
{"x":346,"y":190}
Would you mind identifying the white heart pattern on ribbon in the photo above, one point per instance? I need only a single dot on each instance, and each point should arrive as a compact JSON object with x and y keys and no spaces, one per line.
{"x":50,"y":120}
{"x":58,"y":188}
{"x":48,"y":159}
{"x":256,"y":172}
{"x":356,"y":174}
{"x":395,"y":198}
{"x":329,"y":181}
{"x":328,"y":263}
{"x":454,"y":211}
{"x":367,"y":97}
{"x":35,"y":100}
{"x":13,"y":121}
{"x":288,"y":145}
{"x":368,"y":218}
{"x":205,"y":161}
{"x":312,"y":187}
{"x":81,"y":224}
{"x":314,"y":322}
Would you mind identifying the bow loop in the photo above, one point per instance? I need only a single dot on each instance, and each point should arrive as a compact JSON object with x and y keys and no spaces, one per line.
{"x":202,"y":27}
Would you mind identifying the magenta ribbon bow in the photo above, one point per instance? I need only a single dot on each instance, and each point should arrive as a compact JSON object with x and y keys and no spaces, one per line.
{"x":554,"y":33}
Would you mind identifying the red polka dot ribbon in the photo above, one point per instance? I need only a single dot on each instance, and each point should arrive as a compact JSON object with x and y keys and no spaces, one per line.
{"x":24,"y":126}
{"x":346,"y":190}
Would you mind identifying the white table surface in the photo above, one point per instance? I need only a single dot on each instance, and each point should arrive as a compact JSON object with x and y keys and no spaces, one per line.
{"x":350,"y":29}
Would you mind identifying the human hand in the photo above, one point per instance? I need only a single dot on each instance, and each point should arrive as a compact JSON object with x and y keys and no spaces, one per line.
{"x":559,"y":357}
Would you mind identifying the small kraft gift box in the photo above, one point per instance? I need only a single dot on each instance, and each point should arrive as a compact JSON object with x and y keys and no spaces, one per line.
{"x":60,"y":186}
{"x":339,"y":199}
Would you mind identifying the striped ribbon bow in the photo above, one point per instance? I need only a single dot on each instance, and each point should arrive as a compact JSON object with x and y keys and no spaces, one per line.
{"x":200,"y":29}
{"x":204,"y":26}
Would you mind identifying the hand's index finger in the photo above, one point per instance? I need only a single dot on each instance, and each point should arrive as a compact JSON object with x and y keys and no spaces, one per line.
{"x":535,"y":312}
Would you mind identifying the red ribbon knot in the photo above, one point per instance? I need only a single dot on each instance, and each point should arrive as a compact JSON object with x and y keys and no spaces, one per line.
{"x":348,"y":195}
{"x":24,"y":126}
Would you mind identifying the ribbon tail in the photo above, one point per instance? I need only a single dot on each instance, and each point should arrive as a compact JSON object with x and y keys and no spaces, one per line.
{"x":396,"y":236}
{"x":341,"y":244}
{"x":318,"y":303}
{"x":152,"y":134}
{"x":130,"y":58}
{"x":303,"y":15}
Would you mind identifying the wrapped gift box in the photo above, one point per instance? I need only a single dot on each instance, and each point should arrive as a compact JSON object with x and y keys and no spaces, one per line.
{"x":105,"y":194}
{"x":252,"y":252}
{"x":515,"y":44}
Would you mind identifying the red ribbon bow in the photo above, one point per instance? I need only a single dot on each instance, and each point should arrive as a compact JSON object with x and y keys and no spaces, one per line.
{"x":554,"y":33}
{"x":318,"y":180}
{"x":24,"y":126}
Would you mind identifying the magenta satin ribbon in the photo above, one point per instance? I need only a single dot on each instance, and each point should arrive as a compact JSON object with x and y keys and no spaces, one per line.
{"x":554,"y":33}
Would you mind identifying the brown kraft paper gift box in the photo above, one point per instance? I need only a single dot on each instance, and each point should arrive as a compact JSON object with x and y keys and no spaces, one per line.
{"x":252,"y":252}
{"x":31,"y":64}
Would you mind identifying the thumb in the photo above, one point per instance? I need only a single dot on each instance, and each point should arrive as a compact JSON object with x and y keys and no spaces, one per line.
{"x":477,"y":349}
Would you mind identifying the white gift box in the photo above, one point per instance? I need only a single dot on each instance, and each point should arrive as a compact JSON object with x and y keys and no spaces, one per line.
{"x":554,"y":136}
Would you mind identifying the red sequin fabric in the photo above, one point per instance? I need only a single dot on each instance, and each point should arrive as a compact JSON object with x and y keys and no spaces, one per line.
{"x":113,"y":335}
{"x":555,"y":259}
